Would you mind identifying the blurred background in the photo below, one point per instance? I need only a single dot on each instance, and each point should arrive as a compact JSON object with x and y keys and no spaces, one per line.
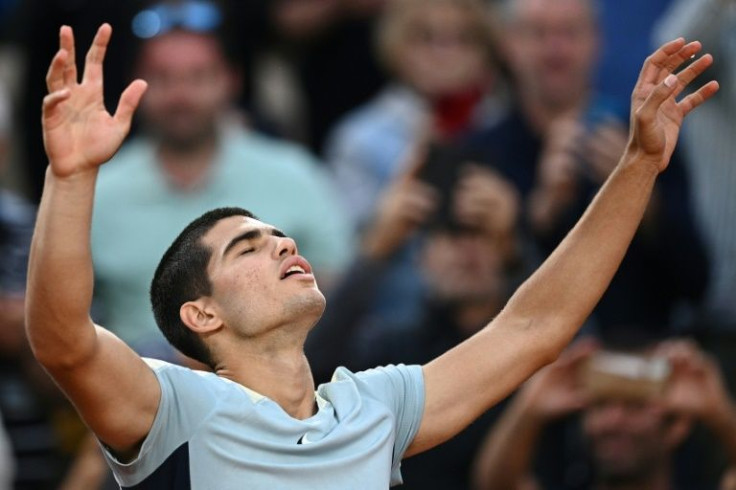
{"x":426,"y":155}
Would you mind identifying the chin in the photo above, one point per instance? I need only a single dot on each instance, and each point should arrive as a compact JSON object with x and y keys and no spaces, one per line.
{"x":307,"y":307}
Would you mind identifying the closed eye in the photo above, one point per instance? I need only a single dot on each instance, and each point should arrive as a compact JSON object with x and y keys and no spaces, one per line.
{"x":247,"y":250}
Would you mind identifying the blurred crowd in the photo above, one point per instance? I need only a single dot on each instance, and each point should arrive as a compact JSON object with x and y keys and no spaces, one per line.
{"x":426,"y":155}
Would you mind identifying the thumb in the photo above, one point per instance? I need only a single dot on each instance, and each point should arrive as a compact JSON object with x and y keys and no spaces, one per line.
{"x":662,"y":91}
{"x":129,"y":101}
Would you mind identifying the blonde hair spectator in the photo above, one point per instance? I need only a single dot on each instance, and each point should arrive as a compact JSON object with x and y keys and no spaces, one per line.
{"x":398,"y":27}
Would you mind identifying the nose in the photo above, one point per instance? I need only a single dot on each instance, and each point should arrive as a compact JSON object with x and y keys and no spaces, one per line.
{"x":285,"y":246}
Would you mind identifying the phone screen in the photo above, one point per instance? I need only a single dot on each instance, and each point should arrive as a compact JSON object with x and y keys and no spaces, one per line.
{"x":442,"y":171}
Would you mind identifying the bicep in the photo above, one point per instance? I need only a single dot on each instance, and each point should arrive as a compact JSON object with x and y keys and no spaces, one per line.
{"x":115,"y":392}
{"x":469,"y":379}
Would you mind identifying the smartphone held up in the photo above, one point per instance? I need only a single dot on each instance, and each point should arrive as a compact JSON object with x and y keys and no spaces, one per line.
{"x":618,"y":375}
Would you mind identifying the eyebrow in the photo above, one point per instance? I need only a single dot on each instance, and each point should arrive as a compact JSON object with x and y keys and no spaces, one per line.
{"x":252,"y":235}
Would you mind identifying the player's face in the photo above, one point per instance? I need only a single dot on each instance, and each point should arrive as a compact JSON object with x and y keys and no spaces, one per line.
{"x":259,"y":280}
{"x":553,"y":48}
{"x":189,"y":86}
{"x":627,"y":438}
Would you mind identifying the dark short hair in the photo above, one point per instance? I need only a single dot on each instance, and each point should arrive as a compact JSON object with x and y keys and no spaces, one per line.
{"x":181,"y":276}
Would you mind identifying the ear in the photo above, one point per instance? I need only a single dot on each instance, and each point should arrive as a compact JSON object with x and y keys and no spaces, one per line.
{"x":199,"y":316}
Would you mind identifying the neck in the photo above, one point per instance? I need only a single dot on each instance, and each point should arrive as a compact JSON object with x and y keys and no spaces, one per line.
{"x":281,"y":374}
{"x":187,"y":168}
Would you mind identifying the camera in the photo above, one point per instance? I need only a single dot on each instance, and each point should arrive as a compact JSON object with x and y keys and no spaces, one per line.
{"x":619,"y":375}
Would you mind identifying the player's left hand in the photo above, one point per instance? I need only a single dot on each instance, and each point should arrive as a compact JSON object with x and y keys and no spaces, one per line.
{"x":656,"y":115}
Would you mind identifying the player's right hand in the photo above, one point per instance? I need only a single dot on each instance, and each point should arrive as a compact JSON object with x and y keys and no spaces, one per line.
{"x":78,"y":132}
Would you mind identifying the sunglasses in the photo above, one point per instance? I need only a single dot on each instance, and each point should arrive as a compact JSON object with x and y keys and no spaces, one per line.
{"x":192,"y":15}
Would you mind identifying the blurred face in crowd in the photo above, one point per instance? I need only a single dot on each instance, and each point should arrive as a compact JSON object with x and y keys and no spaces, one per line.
{"x":462,"y":267}
{"x":190,"y":84}
{"x":553,"y":46}
{"x":440,"y":50}
{"x":629,"y":439}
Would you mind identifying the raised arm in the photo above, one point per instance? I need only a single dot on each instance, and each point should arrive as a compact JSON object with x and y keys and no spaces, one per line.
{"x":113,"y":389}
{"x":547,"y":310}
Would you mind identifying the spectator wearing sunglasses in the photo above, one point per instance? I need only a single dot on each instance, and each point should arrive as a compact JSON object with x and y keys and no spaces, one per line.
{"x":194,"y":153}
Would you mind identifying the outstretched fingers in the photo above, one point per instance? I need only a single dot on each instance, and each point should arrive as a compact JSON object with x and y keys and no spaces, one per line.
{"x":666,"y":59}
{"x":671,"y":85}
{"x":55,"y":74}
{"x":66,"y":41}
{"x":54,"y":99}
{"x":661,"y":92}
{"x":96,"y":55}
{"x":129,"y":101}
{"x":654,"y":64}
{"x":691,"y":72}
{"x":701,"y":95}
{"x":685,"y":54}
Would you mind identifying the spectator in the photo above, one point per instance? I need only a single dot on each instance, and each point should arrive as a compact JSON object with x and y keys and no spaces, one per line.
{"x":16,"y":226}
{"x":39,"y":431}
{"x":708,"y":141}
{"x":559,"y":143}
{"x":631,"y":430}
{"x":441,"y":55}
{"x":32,"y":26}
{"x":193,"y":155}
{"x":467,"y":263}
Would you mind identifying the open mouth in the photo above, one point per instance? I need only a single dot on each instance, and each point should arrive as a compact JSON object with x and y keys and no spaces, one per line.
{"x":293,"y":270}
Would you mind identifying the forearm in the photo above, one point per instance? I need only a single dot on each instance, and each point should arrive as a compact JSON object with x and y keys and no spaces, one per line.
{"x":504,"y":459}
{"x":560,"y":295}
{"x":60,"y":277}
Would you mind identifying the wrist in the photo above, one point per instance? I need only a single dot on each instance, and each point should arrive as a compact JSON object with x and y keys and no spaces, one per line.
{"x":74,"y":184}
{"x":82,"y":174}
{"x":635,"y":157}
